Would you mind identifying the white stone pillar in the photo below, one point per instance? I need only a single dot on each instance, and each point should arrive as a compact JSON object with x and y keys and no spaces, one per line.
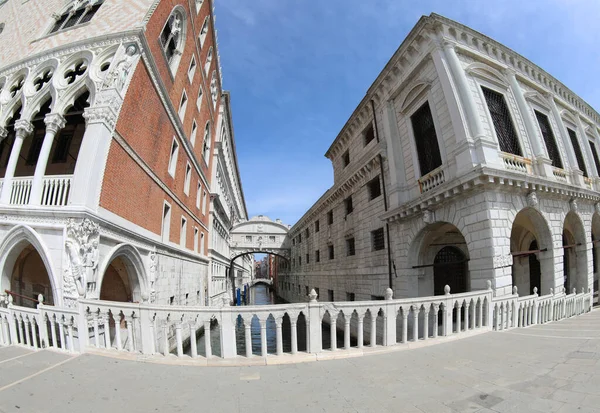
{"x":313,"y":321}
{"x":54,"y":123}
{"x":415,"y":332}
{"x":576,"y":173}
{"x":23,"y":129}
{"x":397,"y":175}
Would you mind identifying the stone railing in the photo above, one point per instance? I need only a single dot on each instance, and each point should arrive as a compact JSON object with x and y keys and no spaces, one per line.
{"x":560,"y":174}
{"x":516,"y":163}
{"x":432,"y":180}
{"x":257,"y":332}
{"x":513,"y":311}
{"x":588,"y":182}
{"x":56,"y":190}
{"x":20,"y":191}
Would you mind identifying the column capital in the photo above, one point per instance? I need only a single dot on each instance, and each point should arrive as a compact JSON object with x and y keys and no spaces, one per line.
{"x":23,"y":128}
{"x":447,"y":44}
{"x":510,"y":72}
{"x":3,"y":133}
{"x":54,"y":122}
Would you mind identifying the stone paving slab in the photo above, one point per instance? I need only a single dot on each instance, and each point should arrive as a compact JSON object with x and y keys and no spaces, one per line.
{"x":550,"y":368}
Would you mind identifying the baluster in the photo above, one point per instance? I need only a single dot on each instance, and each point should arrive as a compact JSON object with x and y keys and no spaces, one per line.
{"x":479,"y":311}
{"x":207,"y":343}
{"x":32,"y":325}
{"x":44,"y":192}
{"x":444,"y":320}
{"x":263,"y":337}
{"x":248,"y":334}
{"x":22,"y":330}
{"x":373,"y":329}
{"x":95,"y":322}
{"x":436,"y":309}
{"x":193,"y":343}
{"x":458,"y":318}
{"x":415,"y":335}
{"x":278,"y":324}
{"x":347,"y":331}
{"x":294,"y":336}
{"x":55,"y":191}
{"x":467,"y":309}
{"x":177,"y":338}
{"x":117,"y":319}
{"x":333,"y":331}
{"x":360,"y":331}
{"x":106,"y":322}
{"x":61,"y":333}
{"x":70,"y":338}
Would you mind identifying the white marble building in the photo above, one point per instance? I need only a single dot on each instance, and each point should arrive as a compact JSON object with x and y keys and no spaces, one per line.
{"x":104,"y":187}
{"x":464,"y":162}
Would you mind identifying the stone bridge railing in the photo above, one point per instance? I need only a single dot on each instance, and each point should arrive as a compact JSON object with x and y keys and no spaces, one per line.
{"x":171,"y":331}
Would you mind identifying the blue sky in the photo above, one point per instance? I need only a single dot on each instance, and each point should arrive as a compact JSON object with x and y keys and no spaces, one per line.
{"x":297,"y":69}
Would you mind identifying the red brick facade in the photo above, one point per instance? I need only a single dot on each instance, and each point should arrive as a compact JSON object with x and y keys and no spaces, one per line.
{"x":145,"y":125}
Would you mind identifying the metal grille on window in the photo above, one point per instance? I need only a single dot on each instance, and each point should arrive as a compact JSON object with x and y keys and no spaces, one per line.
{"x":350,"y":250}
{"x":595,"y":155}
{"x":503,"y":125}
{"x":577,"y":149}
{"x":428,"y":149}
{"x":549,"y":139}
{"x":378,"y":239}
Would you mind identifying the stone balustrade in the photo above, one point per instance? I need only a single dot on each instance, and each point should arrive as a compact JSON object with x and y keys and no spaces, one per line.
{"x":432,"y":180}
{"x":56,"y":190}
{"x":516,"y":163}
{"x":20,"y":191}
{"x":172,"y":331}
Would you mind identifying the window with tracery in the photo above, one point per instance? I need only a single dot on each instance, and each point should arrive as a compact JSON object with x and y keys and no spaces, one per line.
{"x":426,"y":141}
{"x":79,"y":12}
{"x":503,"y":124}
{"x":214,"y":89}
{"x":206,"y":143}
{"x":171,"y":38}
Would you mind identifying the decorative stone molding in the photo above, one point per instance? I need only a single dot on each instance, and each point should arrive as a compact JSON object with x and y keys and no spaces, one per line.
{"x":573,"y":207}
{"x":152,"y":275}
{"x":502,"y":261}
{"x":23,"y":127}
{"x":532,"y":200}
{"x":123,"y":62}
{"x":597,"y":207}
{"x":81,"y":248}
{"x":3,"y":133}
{"x":54,"y":122}
{"x":428,"y":216}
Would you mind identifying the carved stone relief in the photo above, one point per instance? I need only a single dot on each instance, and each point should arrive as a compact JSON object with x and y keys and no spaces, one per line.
{"x":82,"y":253}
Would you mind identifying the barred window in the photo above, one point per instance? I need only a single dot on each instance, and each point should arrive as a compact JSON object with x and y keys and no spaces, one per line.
{"x":330,"y":295}
{"x":350,"y":250}
{"x":317,"y":226}
{"x":577,"y":149}
{"x":595,"y":155}
{"x":374,"y":188}
{"x":377,"y":239}
{"x":75,"y":16}
{"x":306,"y":233}
{"x":348,"y":205}
{"x":346,"y":158}
{"x":503,"y":124}
{"x":549,"y":139}
{"x":428,"y":149}
{"x":317,"y":256}
{"x":369,"y":134}
{"x":331,"y":252}
{"x":308,"y":258}
{"x":299,"y":238}
{"x":330,"y":217}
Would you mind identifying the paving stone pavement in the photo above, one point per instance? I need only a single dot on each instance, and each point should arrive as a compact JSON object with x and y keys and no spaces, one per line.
{"x":550,"y":368}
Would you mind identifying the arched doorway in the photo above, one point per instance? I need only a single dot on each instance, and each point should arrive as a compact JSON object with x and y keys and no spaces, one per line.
{"x":575,"y":262}
{"x":532,"y":251}
{"x":29,"y":278}
{"x":449,"y":268}
{"x":440,"y":257}
{"x":115,"y":284}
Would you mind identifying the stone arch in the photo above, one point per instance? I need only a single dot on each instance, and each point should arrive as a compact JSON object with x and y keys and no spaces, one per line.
{"x":130,"y":264}
{"x":575,"y":258}
{"x":427,"y":256}
{"x":529,"y":227}
{"x":13,"y":244}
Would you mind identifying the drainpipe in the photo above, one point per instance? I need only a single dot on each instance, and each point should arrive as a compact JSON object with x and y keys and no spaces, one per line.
{"x":385,"y":202}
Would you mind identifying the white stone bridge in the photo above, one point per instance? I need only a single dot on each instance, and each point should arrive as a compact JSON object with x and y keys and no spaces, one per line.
{"x":264,"y":281}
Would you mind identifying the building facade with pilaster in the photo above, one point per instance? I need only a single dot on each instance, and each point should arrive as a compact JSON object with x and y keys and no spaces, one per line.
{"x":108,"y":117}
{"x":464,"y":163}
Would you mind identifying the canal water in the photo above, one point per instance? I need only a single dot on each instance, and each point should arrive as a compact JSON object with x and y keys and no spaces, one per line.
{"x":263,"y":295}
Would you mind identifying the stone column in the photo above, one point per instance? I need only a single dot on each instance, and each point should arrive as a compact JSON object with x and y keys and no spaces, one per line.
{"x":586,"y":147}
{"x":541,"y":159}
{"x":576,"y":173}
{"x":54,"y":123}
{"x":397,"y":175}
{"x":485,"y":147}
{"x":23,"y":128}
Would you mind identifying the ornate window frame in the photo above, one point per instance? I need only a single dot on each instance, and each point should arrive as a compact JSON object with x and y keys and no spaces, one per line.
{"x":537,"y":103}
{"x":178,"y":11}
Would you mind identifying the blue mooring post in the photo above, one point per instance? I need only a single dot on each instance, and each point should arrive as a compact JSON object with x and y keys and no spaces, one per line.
{"x":238,"y":296}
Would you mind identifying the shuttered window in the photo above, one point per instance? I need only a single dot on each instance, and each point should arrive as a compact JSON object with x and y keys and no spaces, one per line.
{"x":428,"y":149}
{"x":577,"y":150}
{"x":503,"y":125}
{"x":549,"y":139}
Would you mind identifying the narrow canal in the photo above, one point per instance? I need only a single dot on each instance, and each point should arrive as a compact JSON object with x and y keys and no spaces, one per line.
{"x":263,"y":295}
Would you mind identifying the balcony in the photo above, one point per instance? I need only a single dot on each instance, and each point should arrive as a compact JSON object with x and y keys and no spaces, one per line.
{"x":432,"y":180}
{"x":56,"y":190}
{"x":516,"y":163}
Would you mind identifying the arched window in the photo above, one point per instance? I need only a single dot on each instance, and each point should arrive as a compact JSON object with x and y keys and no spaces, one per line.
{"x":214,"y":88}
{"x":172,"y":38}
{"x":209,"y":57}
{"x":80,"y":12}
{"x":206,"y":143}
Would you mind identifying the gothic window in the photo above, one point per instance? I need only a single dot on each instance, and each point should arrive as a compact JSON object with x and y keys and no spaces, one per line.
{"x":428,"y":149}
{"x":80,"y":12}
{"x":595,"y":155}
{"x":577,"y":150}
{"x":199,"y":5}
{"x":199,"y":100}
{"x":203,"y":32}
{"x":194,"y":132}
{"x":188,"y":179}
{"x":209,"y":57}
{"x":549,"y":139}
{"x":61,"y":152}
{"x":192,"y":69}
{"x":206,"y":143}
{"x":173,"y":157}
{"x":171,"y":38}
{"x":503,"y":124}
{"x":214,"y":89}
